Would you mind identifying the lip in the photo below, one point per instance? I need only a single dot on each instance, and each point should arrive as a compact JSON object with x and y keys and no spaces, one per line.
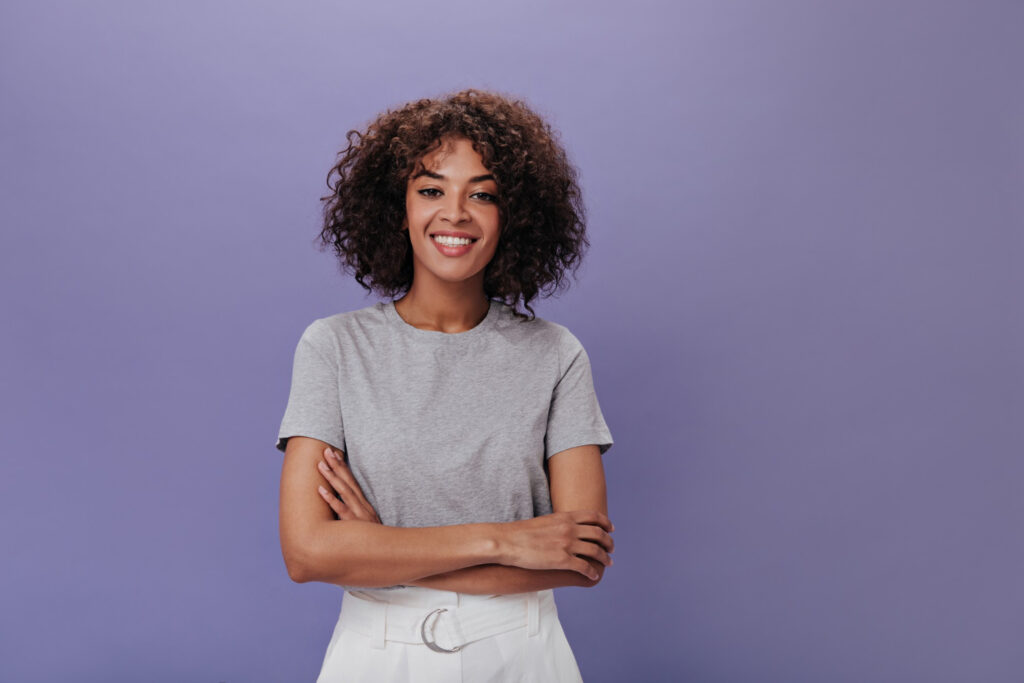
{"x":452,"y":251}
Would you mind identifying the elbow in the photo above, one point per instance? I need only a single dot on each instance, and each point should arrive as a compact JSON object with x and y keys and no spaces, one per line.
{"x":297,"y":571}
{"x":302,"y":562}
{"x":298,"y":566}
{"x":307,"y":559}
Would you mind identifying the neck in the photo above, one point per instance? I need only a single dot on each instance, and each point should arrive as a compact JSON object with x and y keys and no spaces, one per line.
{"x":454,"y":308}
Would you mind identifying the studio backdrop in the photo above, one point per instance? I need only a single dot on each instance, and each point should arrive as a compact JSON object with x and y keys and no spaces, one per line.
{"x":802,"y":303}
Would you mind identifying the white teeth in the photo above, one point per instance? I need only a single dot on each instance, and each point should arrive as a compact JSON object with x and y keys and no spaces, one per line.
{"x":452,"y":241}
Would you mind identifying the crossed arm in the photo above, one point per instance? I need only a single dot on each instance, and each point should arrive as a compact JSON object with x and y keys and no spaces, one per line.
{"x":567,"y":548}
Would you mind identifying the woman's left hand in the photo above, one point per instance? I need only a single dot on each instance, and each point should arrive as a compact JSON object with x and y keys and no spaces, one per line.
{"x":353,"y":504}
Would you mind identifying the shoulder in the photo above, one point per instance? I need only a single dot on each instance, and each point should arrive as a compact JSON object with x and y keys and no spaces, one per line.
{"x":549,"y":335}
{"x":335,"y":331}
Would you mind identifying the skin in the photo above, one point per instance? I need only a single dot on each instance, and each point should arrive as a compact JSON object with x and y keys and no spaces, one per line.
{"x":577,"y":483}
{"x":447,"y":293}
{"x":342,"y":540}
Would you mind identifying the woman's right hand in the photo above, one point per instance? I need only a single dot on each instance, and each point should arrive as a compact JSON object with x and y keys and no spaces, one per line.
{"x":559,"y":540}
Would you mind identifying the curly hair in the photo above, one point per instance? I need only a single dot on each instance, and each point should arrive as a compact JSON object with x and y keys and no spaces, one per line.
{"x":543,"y":229}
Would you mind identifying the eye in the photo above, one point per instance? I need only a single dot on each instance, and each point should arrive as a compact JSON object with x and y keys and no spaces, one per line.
{"x":486,"y":196}
{"x":425,"y":192}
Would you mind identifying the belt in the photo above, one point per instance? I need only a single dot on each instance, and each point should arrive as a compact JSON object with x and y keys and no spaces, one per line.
{"x":442,"y":629}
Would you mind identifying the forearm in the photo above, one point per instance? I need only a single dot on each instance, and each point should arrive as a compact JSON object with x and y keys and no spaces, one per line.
{"x":342,"y":543}
{"x":359,"y":553}
{"x":499,"y":579}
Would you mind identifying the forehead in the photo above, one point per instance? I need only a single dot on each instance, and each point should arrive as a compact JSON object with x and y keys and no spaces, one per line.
{"x":454,"y":152}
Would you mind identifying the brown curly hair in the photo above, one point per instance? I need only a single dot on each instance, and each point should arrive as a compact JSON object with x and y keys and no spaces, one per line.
{"x":543,"y":229}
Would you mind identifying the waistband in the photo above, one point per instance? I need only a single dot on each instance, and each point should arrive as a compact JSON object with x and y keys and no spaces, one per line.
{"x":444,"y":621}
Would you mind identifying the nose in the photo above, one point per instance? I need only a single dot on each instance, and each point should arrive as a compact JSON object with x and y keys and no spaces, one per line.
{"x":454,"y":209}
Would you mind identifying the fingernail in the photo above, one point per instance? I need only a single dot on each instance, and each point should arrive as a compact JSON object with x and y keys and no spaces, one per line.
{"x":322,"y":465}
{"x":322,"y":490}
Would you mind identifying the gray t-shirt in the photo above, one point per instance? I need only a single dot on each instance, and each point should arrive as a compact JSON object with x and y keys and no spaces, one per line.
{"x":442,"y":428}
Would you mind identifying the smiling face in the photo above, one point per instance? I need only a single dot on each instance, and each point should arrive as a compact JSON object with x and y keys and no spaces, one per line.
{"x":452,"y":215}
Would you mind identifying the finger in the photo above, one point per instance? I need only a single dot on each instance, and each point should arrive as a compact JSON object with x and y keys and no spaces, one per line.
{"x":355,"y":505}
{"x":588,"y":549}
{"x":365,"y":513}
{"x":335,"y":504}
{"x":335,"y":481}
{"x":583,"y":567}
{"x":343,"y":471}
{"x":340,"y":468}
{"x":593,"y":517}
{"x":596,"y":534}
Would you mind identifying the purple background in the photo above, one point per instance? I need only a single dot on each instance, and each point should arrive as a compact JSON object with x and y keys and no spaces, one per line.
{"x":802,"y":305}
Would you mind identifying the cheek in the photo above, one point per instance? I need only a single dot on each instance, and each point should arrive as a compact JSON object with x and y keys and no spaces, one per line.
{"x":493,"y":220}
{"x":414,"y":214}
{"x":492,"y":249}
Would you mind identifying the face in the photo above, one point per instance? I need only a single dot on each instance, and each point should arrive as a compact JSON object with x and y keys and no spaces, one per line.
{"x":452,"y":215}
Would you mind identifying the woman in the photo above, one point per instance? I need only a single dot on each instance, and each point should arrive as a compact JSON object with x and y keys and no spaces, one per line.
{"x":443,"y":450}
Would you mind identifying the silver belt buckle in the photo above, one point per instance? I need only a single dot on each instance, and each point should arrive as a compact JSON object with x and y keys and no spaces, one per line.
{"x":429,"y":640}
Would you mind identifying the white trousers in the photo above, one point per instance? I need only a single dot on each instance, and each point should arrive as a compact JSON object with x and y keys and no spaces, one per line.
{"x":404,"y":635}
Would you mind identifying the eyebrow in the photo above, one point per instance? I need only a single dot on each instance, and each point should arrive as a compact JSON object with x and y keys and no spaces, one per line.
{"x":438,"y":176}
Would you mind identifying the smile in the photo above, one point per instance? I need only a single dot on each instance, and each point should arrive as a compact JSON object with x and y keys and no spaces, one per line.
{"x":452,"y":246}
{"x":450,"y":241}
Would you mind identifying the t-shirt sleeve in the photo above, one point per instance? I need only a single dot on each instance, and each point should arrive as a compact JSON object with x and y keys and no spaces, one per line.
{"x":575,"y":417}
{"x":314,"y":402}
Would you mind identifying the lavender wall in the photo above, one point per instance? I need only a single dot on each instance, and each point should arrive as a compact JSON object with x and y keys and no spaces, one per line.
{"x":803,"y":305}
